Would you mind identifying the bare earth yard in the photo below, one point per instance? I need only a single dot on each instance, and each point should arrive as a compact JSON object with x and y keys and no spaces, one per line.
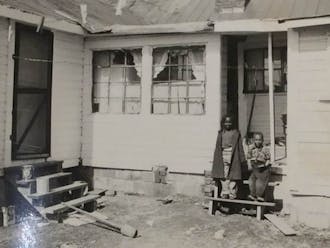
{"x":182,"y":223}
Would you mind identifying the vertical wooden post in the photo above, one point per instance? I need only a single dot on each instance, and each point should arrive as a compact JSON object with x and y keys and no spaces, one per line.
{"x":271,"y":97}
{"x":211,"y":207}
{"x":260,"y":212}
{"x":146,"y":80}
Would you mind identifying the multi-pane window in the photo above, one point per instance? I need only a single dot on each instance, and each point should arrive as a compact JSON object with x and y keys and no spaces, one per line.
{"x":178,"y":85}
{"x":117,"y":81}
{"x":256,"y":70}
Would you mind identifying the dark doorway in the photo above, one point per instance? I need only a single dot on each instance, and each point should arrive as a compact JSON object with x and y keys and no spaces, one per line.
{"x":232,"y":76}
{"x":32,"y":93}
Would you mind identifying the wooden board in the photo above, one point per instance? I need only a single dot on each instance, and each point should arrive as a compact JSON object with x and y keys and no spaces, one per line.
{"x":76,"y":202}
{"x":56,"y":175}
{"x":255,"y":203}
{"x":281,"y":225}
{"x":271,"y":184}
{"x":73,"y":186}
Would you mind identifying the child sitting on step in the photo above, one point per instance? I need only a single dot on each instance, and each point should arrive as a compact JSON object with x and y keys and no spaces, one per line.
{"x":258,"y":158}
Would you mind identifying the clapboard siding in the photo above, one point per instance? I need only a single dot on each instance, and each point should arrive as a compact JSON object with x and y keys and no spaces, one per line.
{"x":183,"y":143}
{"x":3,"y":80}
{"x":67,"y":98}
{"x":310,"y":101}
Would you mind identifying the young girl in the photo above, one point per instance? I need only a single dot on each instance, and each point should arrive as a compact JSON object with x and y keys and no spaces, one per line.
{"x":258,"y":159}
{"x":228,"y":159}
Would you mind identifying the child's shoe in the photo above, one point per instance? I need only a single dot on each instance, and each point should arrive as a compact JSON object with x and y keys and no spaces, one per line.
{"x":252,"y":198}
{"x":260,"y":199}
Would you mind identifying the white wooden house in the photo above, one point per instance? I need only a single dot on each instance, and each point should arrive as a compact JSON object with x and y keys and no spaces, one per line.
{"x":122,"y":86}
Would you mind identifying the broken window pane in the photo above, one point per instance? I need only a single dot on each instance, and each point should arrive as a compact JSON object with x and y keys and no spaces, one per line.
{"x":174,"y":70}
{"x":117,"y":81}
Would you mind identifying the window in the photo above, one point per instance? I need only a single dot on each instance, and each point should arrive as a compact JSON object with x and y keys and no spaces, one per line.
{"x":178,"y":80}
{"x":256,"y":70}
{"x":117,"y":81}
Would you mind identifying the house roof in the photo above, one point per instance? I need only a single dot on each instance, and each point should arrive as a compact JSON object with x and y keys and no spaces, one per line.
{"x":102,"y":13}
{"x":279,"y":10}
{"x":164,"y":16}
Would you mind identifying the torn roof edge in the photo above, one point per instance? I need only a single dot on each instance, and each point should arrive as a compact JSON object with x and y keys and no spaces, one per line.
{"x":187,"y":27}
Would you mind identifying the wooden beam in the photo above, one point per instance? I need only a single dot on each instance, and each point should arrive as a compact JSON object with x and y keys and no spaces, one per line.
{"x":281,"y":225}
{"x":249,"y":26}
{"x":247,"y":202}
{"x":307,"y":22}
{"x":41,"y":24}
{"x":34,"y":19}
{"x":271,"y":97}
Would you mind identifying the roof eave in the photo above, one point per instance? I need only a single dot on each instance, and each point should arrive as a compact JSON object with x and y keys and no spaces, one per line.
{"x":306,"y":22}
{"x":34,"y":19}
{"x":244,"y":26}
{"x":190,"y":27}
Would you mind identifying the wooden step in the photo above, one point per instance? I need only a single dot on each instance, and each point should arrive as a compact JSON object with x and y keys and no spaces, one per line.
{"x":247,"y":202}
{"x":76,"y":202}
{"x":51,"y":176}
{"x":74,"y":186}
{"x":271,"y":184}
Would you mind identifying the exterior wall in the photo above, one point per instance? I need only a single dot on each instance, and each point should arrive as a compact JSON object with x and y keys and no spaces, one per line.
{"x":308,"y":123}
{"x":66,"y":98}
{"x":260,"y":118}
{"x":3,"y":79}
{"x":183,"y":143}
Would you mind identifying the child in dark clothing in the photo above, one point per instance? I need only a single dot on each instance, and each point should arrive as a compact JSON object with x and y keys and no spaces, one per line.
{"x":228,"y":159}
{"x":258,"y":159}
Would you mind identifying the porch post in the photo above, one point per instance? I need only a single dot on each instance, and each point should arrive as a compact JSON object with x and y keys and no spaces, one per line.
{"x":271,"y":97}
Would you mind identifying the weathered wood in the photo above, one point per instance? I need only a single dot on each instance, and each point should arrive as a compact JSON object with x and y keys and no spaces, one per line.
{"x":211,"y":207}
{"x":255,"y":203}
{"x":125,"y":229}
{"x":271,"y":184}
{"x":76,"y":202}
{"x":260,"y":212}
{"x":281,"y":225}
{"x":73,"y":186}
{"x":97,"y":192}
{"x":271,"y":97}
{"x":55,"y":175}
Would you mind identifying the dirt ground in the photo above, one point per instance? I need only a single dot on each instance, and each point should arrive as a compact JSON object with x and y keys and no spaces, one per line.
{"x":182,"y":223}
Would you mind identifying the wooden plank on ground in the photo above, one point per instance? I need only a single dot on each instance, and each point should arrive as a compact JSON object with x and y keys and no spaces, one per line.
{"x":281,"y":225}
{"x":255,"y":203}
{"x":76,"y":202}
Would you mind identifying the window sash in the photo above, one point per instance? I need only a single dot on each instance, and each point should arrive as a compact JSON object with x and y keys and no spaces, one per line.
{"x":174,"y":94}
{"x":116,"y":94}
{"x":263,"y":71}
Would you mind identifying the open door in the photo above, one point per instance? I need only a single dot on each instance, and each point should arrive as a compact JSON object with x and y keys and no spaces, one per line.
{"x":32,"y":93}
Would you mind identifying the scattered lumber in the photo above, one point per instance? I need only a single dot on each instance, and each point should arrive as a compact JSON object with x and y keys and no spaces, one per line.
{"x":125,"y":230}
{"x":281,"y":225}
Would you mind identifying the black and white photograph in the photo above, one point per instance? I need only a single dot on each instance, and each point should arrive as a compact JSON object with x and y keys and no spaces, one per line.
{"x":164,"y":123}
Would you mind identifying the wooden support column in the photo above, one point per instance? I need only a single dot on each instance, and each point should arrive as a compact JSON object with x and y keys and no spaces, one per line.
{"x":271,"y":97}
{"x":146,"y":80}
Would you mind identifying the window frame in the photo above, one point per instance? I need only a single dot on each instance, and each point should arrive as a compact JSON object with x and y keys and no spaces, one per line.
{"x":125,"y":83}
{"x":186,"y":67}
{"x":283,"y":52}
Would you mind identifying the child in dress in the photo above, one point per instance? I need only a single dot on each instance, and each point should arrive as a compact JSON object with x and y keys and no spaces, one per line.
{"x":258,"y":159}
{"x":228,"y":159}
